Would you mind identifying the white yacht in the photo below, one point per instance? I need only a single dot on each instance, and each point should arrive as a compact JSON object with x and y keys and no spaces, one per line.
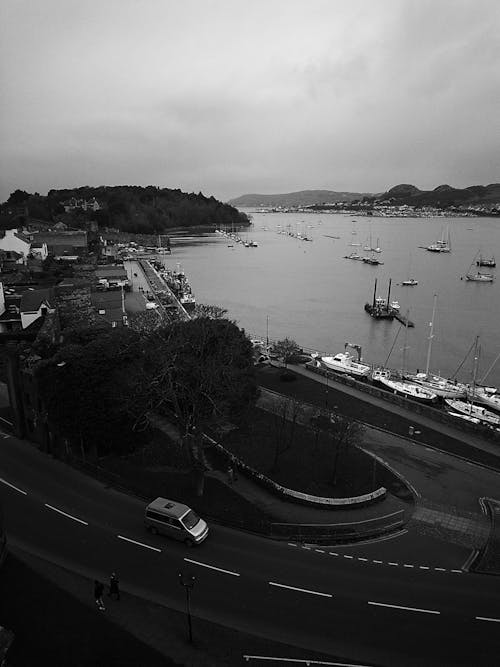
{"x":404,"y":388}
{"x":343,"y":362}
{"x":439,"y":385}
{"x":486,"y":395}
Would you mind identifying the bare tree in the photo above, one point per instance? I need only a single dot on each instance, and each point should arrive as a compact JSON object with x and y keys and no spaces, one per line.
{"x":285,"y":418}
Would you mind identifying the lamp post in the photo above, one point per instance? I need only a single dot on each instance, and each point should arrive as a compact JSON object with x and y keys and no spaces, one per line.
{"x":187,"y":580}
{"x":326,"y":391}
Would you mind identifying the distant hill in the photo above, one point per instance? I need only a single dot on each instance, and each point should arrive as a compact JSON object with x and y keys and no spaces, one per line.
{"x":302,"y":198}
{"x":442,"y":196}
{"x":128,"y":208}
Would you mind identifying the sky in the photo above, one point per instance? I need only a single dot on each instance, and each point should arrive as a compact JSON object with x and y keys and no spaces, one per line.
{"x":231,"y":97}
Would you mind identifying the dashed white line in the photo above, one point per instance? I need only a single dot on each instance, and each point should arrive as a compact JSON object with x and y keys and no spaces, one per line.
{"x":69,"y":516}
{"x":397,"y":606}
{"x":332,"y":553}
{"x":139,"y":544}
{"x":377,"y":561}
{"x":393,"y":564}
{"x":457,"y":571}
{"x":486,"y":618}
{"x":424,"y":567}
{"x":301,"y":590}
{"x":212,"y":567}
{"x":319,"y":551}
{"x":363,"y":559}
{"x":347,"y":556}
{"x":440,"y":569}
{"x":291,"y":544}
{"x":407,"y":565}
{"x":4,"y":481}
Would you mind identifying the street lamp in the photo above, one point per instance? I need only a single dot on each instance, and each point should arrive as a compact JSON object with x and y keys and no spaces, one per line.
{"x":187,"y":580}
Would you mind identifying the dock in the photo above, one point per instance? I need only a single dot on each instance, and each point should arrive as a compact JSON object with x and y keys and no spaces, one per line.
{"x":401,"y":318}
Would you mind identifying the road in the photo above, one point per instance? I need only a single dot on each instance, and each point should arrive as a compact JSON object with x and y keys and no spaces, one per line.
{"x":325,"y":600}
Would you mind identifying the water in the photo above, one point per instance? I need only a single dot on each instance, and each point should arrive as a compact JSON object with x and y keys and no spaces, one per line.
{"x":307,"y":291}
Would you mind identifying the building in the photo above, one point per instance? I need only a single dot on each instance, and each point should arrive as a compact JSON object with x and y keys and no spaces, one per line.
{"x":110,"y":307}
{"x":112,"y":275}
{"x":39,"y":250}
{"x":36,"y":303}
{"x":63,"y":245}
{"x":12,"y":239}
{"x":82,"y":204}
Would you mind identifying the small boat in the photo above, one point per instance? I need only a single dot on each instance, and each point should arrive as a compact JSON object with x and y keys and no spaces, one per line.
{"x":345,"y":363}
{"x":410,"y":282}
{"x":477,"y":276}
{"x":395,"y":305}
{"x":444,"y":244}
{"x":486,"y":395}
{"x":483,"y":261}
{"x":353,"y":255}
{"x":472,"y":410}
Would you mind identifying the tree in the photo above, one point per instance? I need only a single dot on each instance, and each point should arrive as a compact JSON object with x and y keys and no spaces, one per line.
{"x":285,"y":349}
{"x":214,"y":312}
{"x":18,"y":197}
{"x":85,"y":386}
{"x":285,"y":417}
{"x":345,"y":433}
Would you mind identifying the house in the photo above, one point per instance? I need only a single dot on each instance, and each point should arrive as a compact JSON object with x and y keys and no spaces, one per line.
{"x":35,"y":303}
{"x":39,"y":250}
{"x":10,"y":260}
{"x":112,"y":275}
{"x":83,"y":204}
{"x":64,"y":244}
{"x":110,"y":307}
{"x":12,"y":239}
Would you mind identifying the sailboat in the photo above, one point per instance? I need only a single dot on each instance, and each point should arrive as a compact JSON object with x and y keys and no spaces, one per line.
{"x":409,"y":282}
{"x":468,"y":407}
{"x":441,"y":386}
{"x":401,"y":386}
{"x":444,"y":244}
{"x":478,"y":277}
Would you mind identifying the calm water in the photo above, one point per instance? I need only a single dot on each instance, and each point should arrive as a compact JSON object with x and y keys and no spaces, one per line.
{"x":312,"y":294}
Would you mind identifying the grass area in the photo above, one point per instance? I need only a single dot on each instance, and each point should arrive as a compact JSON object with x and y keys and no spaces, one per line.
{"x":308,"y":465}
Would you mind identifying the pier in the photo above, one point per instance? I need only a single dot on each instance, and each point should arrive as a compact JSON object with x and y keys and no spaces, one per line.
{"x":402,"y":318}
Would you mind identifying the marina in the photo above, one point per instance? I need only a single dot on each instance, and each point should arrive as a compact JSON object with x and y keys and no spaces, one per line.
{"x":311,"y":294}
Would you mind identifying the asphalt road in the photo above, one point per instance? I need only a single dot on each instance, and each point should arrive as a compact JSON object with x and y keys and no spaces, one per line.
{"x":374,"y":612}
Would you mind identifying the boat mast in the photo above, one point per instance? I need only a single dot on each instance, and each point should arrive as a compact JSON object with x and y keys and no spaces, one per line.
{"x":374,"y":292}
{"x":490,"y":368}
{"x":389,"y":294}
{"x":405,"y":345}
{"x":474,"y":372}
{"x":431,"y":336}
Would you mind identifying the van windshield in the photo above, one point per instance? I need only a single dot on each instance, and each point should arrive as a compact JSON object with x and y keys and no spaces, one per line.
{"x":190,"y":519}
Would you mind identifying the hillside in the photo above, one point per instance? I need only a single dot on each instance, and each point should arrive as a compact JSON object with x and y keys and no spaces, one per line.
{"x":129,"y":208}
{"x":302,"y":198}
{"x":442,"y":196}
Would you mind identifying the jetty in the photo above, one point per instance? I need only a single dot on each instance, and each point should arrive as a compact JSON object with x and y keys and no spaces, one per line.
{"x":403,"y":319}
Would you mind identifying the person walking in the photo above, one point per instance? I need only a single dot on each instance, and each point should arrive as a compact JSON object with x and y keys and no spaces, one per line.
{"x":98,"y":591}
{"x":114,"y":587}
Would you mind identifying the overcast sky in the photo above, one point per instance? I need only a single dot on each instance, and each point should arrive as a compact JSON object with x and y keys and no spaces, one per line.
{"x":231,"y":97}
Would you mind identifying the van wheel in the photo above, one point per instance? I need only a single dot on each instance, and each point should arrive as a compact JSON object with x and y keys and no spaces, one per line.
{"x":189,"y":543}
{"x":153,"y":530}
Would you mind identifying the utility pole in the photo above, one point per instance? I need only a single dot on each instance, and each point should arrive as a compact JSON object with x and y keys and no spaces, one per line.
{"x":187,"y":580}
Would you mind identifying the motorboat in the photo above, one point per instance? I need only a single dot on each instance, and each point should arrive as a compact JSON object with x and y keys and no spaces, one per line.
{"x":472,"y":410}
{"x":411,"y":282}
{"x":344,"y":362}
{"x":483,"y":261}
{"x":383,"y":376}
{"x":395,"y":305}
{"x":439,"y":385}
{"x":479,"y":277}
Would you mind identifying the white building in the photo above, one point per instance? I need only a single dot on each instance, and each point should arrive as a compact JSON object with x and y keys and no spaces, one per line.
{"x":11,"y":239}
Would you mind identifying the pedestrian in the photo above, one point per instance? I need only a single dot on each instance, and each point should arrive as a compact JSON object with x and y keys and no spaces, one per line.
{"x":114,"y":588}
{"x":98,"y":591}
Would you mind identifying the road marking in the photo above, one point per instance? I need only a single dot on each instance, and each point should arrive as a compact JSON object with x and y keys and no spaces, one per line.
{"x":298,"y":661}
{"x":69,"y":516}
{"x":424,"y":567}
{"x":393,"y":564}
{"x":212,"y":567}
{"x":486,"y":618}
{"x":363,"y":559}
{"x":405,"y":565}
{"x":377,"y":561}
{"x":332,"y":553}
{"x":140,"y":544}
{"x":301,"y":590}
{"x":320,"y":551}
{"x":396,"y":606}
{"x":457,"y":571}
{"x":291,"y":544}
{"x":347,"y":556}
{"x":440,"y":569}
{"x":13,"y":487}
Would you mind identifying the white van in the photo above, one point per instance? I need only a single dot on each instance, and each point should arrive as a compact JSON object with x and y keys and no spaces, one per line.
{"x":175,"y":520}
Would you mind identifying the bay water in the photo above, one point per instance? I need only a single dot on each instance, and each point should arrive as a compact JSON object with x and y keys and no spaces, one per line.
{"x":309,"y":292}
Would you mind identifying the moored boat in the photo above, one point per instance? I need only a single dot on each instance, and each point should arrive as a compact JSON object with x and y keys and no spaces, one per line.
{"x":404,"y":388}
{"x":344,"y":362}
{"x":485,"y":395}
{"x":472,"y":410}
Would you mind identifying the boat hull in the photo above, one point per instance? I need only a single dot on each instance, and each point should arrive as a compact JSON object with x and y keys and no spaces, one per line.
{"x":475,"y":411}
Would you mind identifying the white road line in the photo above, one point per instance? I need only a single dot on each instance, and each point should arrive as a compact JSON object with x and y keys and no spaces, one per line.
{"x":139,"y":544}
{"x":424,"y":567}
{"x":363,"y":559}
{"x":377,"y":561}
{"x":301,"y":662}
{"x":291,"y":544}
{"x":13,"y":487}
{"x":440,"y":569}
{"x":396,"y":606}
{"x":319,"y":551}
{"x":69,"y":516}
{"x":393,"y":564}
{"x":486,"y":618}
{"x":457,"y":571}
{"x":347,"y":556}
{"x":301,"y":590}
{"x":212,"y":567}
{"x":332,"y":553}
{"x":405,"y":565}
